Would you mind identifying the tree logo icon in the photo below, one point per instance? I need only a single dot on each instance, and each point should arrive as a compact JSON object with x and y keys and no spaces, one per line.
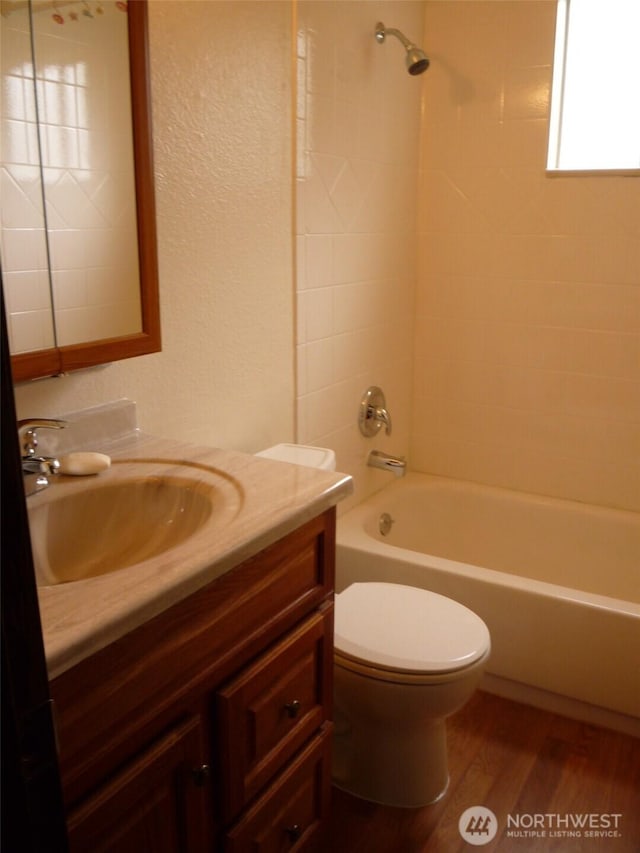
{"x":478,"y":825}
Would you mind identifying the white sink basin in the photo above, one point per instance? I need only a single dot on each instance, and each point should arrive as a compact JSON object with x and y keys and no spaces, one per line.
{"x":115,"y":522}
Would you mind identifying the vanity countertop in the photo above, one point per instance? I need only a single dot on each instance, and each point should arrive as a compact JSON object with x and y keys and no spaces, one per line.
{"x":259,"y":502}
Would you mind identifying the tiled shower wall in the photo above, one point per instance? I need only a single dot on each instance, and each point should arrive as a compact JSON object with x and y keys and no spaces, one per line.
{"x":526,"y":316}
{"x":358,"y":131}
{"x":527,"y":360}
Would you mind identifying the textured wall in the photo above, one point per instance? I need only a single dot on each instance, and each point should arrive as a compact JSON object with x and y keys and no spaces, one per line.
{"x":527,"y":368}
{"x":222,"y":135}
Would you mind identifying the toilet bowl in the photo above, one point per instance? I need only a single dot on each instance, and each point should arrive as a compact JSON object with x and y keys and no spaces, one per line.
{"x":405,"y":659}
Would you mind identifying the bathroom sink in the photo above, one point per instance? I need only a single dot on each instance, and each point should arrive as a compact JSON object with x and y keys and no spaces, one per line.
{"x":118,"y":522}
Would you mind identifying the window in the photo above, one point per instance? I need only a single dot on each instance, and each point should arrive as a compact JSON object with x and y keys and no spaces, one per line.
{"x":595,"y":101}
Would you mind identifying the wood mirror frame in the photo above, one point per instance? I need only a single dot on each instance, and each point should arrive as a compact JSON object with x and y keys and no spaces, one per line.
{"x":57,"y":360}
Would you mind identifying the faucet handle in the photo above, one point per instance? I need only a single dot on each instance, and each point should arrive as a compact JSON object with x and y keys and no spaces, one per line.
{"x":373,"y":412}
{"x":28,"y":435}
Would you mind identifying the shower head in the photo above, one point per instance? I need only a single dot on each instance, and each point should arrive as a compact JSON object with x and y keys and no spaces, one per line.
{"x":416,"y":59}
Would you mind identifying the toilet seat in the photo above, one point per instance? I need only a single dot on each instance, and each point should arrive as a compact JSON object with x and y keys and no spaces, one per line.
{"x":405,"y":634}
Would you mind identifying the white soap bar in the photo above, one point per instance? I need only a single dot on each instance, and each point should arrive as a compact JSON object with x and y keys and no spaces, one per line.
{"x":82,"y":464}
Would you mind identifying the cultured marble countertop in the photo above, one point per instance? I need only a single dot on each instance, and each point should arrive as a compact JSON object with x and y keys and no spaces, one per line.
{"x":257,"y":502}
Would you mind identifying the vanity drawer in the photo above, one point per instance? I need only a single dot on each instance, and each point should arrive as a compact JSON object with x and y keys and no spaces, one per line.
{"x":268,"y":712}
{"x":288,"y":815}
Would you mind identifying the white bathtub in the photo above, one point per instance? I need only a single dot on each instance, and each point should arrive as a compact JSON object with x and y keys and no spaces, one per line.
{"x":557,"y":583}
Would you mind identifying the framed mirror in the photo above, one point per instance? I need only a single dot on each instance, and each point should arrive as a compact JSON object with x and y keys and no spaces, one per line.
{"x":79,"y":257}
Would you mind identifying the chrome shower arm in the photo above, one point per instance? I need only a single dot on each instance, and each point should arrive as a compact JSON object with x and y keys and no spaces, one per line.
{"x":382,"y":32}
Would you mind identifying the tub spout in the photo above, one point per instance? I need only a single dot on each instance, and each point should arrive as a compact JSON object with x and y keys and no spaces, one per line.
{"x":397,"y":465}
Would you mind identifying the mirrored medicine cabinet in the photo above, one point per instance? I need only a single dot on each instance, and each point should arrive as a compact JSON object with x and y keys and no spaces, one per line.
{"x":78,"y":244}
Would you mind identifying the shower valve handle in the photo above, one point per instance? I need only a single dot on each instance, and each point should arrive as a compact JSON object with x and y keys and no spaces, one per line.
{"x":373,"y":413}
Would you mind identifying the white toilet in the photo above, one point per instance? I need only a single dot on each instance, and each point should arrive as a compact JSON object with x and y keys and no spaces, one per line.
{"x":404,"y":660}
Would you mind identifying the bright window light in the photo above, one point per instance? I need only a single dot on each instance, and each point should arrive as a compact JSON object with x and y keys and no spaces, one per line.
{"x":595,"y":100}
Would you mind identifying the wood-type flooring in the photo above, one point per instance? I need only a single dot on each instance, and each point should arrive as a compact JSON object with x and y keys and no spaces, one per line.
{"x":527,"y":766}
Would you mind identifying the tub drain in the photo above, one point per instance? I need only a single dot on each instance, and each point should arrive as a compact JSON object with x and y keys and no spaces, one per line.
{"x":385,"y":523}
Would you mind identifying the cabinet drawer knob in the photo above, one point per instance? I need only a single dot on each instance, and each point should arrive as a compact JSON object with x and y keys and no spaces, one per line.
{"x":293,"y":832}
{"x":293,"y":708}
{"x":201,"y":775}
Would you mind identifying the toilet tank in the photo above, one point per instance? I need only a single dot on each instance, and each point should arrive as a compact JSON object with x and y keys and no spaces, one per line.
{"x":301,"y":454}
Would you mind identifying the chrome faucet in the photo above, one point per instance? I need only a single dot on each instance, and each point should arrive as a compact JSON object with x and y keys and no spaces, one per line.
{"x":42,"y":466}
{"x":373,"y":413}
{"x":397,"y":465}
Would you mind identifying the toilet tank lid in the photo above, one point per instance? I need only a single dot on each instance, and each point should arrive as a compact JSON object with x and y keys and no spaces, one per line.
{"x":301,"y":454}
{"x":406,"y":629}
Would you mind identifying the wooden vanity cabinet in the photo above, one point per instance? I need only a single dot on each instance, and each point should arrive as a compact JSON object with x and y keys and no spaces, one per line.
{"x":208,"y":728}
{"x":152,"y":804}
